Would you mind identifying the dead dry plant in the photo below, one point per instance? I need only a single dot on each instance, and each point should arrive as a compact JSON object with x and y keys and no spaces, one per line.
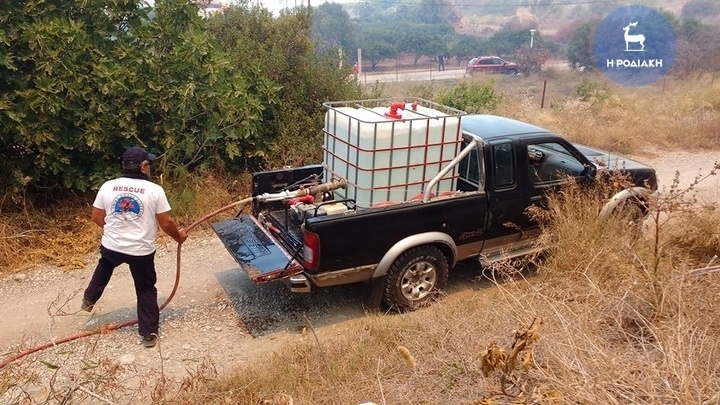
{"x":495,"y":360}
{"x":92,"y":381}
{"x":55,"y":237}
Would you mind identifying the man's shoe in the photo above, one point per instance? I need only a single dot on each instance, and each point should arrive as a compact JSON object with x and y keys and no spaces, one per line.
{"x":150,"y":340}
{"x":87,"y":305}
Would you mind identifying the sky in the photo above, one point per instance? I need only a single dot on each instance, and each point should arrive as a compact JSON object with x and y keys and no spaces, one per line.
{"x":276,"y":5}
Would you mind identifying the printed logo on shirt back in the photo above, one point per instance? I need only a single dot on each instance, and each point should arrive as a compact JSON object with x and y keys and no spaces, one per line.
{"x":127,"y":206}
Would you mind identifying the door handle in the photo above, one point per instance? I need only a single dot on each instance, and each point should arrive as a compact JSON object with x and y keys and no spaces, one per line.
{"x":536,"y":198}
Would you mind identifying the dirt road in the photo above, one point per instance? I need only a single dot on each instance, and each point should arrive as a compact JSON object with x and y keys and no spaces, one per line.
{"x":217,"y":318}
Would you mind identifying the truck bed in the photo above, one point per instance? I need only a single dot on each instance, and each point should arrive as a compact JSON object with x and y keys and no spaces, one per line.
{"x":290,"y":231}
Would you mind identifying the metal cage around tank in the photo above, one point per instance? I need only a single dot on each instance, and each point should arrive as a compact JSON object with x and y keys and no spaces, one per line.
{"x":389,"y":149}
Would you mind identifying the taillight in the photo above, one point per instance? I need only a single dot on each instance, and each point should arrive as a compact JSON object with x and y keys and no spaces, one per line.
{"x":311,"y":250}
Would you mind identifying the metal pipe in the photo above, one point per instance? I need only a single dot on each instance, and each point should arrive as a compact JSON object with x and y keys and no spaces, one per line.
{"x":476,"y":144}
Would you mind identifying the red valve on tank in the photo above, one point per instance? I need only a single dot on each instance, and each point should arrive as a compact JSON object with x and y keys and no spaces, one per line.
{"x":414,"y":105}
{"x":393,"y":113}
{"x":307,"y":199}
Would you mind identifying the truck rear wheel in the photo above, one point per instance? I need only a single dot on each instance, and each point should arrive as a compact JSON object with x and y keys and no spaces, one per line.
{"x":415,"y":278}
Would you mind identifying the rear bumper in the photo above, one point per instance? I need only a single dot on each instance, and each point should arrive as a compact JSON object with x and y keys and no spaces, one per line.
{"x":341,"y":277}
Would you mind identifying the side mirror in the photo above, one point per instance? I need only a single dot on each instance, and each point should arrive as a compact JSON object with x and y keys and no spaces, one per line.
{"x":590,"y":171}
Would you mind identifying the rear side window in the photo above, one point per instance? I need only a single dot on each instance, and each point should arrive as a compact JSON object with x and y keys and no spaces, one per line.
{"x":468,"y":169}
{"x":503,"y":165}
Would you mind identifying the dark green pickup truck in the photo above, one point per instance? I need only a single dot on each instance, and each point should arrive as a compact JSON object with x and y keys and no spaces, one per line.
{"x":402,"y":251}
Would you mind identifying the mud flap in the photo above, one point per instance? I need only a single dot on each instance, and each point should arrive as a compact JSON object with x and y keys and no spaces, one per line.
{"x":256,"y":250}
{"x":372,"y":294}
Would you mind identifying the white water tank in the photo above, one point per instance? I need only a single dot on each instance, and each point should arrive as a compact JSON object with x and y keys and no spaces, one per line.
{"x":388,"y":159}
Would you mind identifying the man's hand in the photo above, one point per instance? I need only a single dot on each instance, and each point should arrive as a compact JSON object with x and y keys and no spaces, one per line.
{"x":98,"y":216}
{"x":168,"y":226}
{"x":182,"y":235}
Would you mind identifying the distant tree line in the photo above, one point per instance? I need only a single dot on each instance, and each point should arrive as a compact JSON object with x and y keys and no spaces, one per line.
{"x":386,"y":30}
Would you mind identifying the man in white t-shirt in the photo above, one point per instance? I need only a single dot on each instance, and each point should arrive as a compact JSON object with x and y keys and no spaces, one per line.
{"x":129,"y":210}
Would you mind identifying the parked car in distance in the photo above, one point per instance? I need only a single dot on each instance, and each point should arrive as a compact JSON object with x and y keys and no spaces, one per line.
{"x":492,"y":64}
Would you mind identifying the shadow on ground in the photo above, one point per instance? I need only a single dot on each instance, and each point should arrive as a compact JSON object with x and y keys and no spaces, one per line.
{"x":271,"y":307}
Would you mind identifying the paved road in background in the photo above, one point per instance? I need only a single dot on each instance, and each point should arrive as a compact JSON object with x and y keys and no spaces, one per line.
{"x":432,"y":74}
{"x":410,"y":75}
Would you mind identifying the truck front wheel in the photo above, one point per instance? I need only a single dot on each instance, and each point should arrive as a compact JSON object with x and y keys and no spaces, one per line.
{"x":415,"y":278}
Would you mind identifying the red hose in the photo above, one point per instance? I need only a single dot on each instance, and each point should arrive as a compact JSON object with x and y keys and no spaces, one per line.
{"x":116,"y":326}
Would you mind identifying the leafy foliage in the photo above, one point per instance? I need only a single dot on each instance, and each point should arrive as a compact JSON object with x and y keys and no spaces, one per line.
{"x":531,"y":60}
{"x":333,"y":29}
{"x":472,"y":97}
{"x":580,"y":48}
{"x":87,"y":80}
{"x":588,"y":90}
{"x":279,"y":54}
{"x":468,"y":47}
{"x":377,"y":50}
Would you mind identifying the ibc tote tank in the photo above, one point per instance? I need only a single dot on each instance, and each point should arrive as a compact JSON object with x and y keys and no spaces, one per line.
{"x":387,"y":159}
{"x":357,"y":150}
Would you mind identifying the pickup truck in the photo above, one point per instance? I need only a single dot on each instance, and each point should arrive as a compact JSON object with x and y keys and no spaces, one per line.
{"x":402,"y":251}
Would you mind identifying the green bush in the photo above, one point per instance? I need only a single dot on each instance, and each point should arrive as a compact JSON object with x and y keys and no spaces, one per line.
{"x":472,"y":97}
{"x":588,"y":90}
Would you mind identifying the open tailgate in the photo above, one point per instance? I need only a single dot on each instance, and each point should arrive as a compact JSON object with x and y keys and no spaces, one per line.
{"x":255,"y":249}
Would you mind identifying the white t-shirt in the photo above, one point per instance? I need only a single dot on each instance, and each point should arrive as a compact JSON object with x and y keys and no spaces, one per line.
{"x":130,"y":208}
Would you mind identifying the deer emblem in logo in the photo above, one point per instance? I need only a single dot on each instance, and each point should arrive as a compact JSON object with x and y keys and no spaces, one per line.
{"x":639,"y":38}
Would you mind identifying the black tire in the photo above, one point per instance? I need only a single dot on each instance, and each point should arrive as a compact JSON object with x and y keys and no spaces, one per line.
{"x":415,"y":279}
{"x":633,"y":212}
{"x":512,"y":72}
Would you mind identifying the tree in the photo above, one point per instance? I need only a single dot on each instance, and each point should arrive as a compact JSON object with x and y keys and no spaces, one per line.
{"x":698,"y":47}
{"x":506,"y":41}
{"x":468,"y":47}
{"x":421,"y":40}
{"x":531,"y":60}
{"x":580,"y":48}
{"x":700,"y":9}
{"x":86,"y":80}
{"x":377,"y":50}
{"x":278,"y":56}
{"x":435,"y":12}
{"x":333,"y":29}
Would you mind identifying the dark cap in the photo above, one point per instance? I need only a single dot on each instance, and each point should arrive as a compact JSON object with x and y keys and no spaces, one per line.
{"x":137,"y":155}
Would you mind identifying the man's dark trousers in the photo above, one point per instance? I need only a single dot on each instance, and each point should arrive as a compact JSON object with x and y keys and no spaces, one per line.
{"x":142,"y":269}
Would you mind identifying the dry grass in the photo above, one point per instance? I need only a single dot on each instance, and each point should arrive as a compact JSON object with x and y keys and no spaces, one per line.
{"x":607,"y":336}
{"x":670,"y":114}
{"x":52,"y":236}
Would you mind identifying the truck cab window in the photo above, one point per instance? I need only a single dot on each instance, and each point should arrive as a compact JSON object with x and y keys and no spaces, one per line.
{"x":503,"y":165}
{"x":551,"y":162}
{"x":468,"y":168}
